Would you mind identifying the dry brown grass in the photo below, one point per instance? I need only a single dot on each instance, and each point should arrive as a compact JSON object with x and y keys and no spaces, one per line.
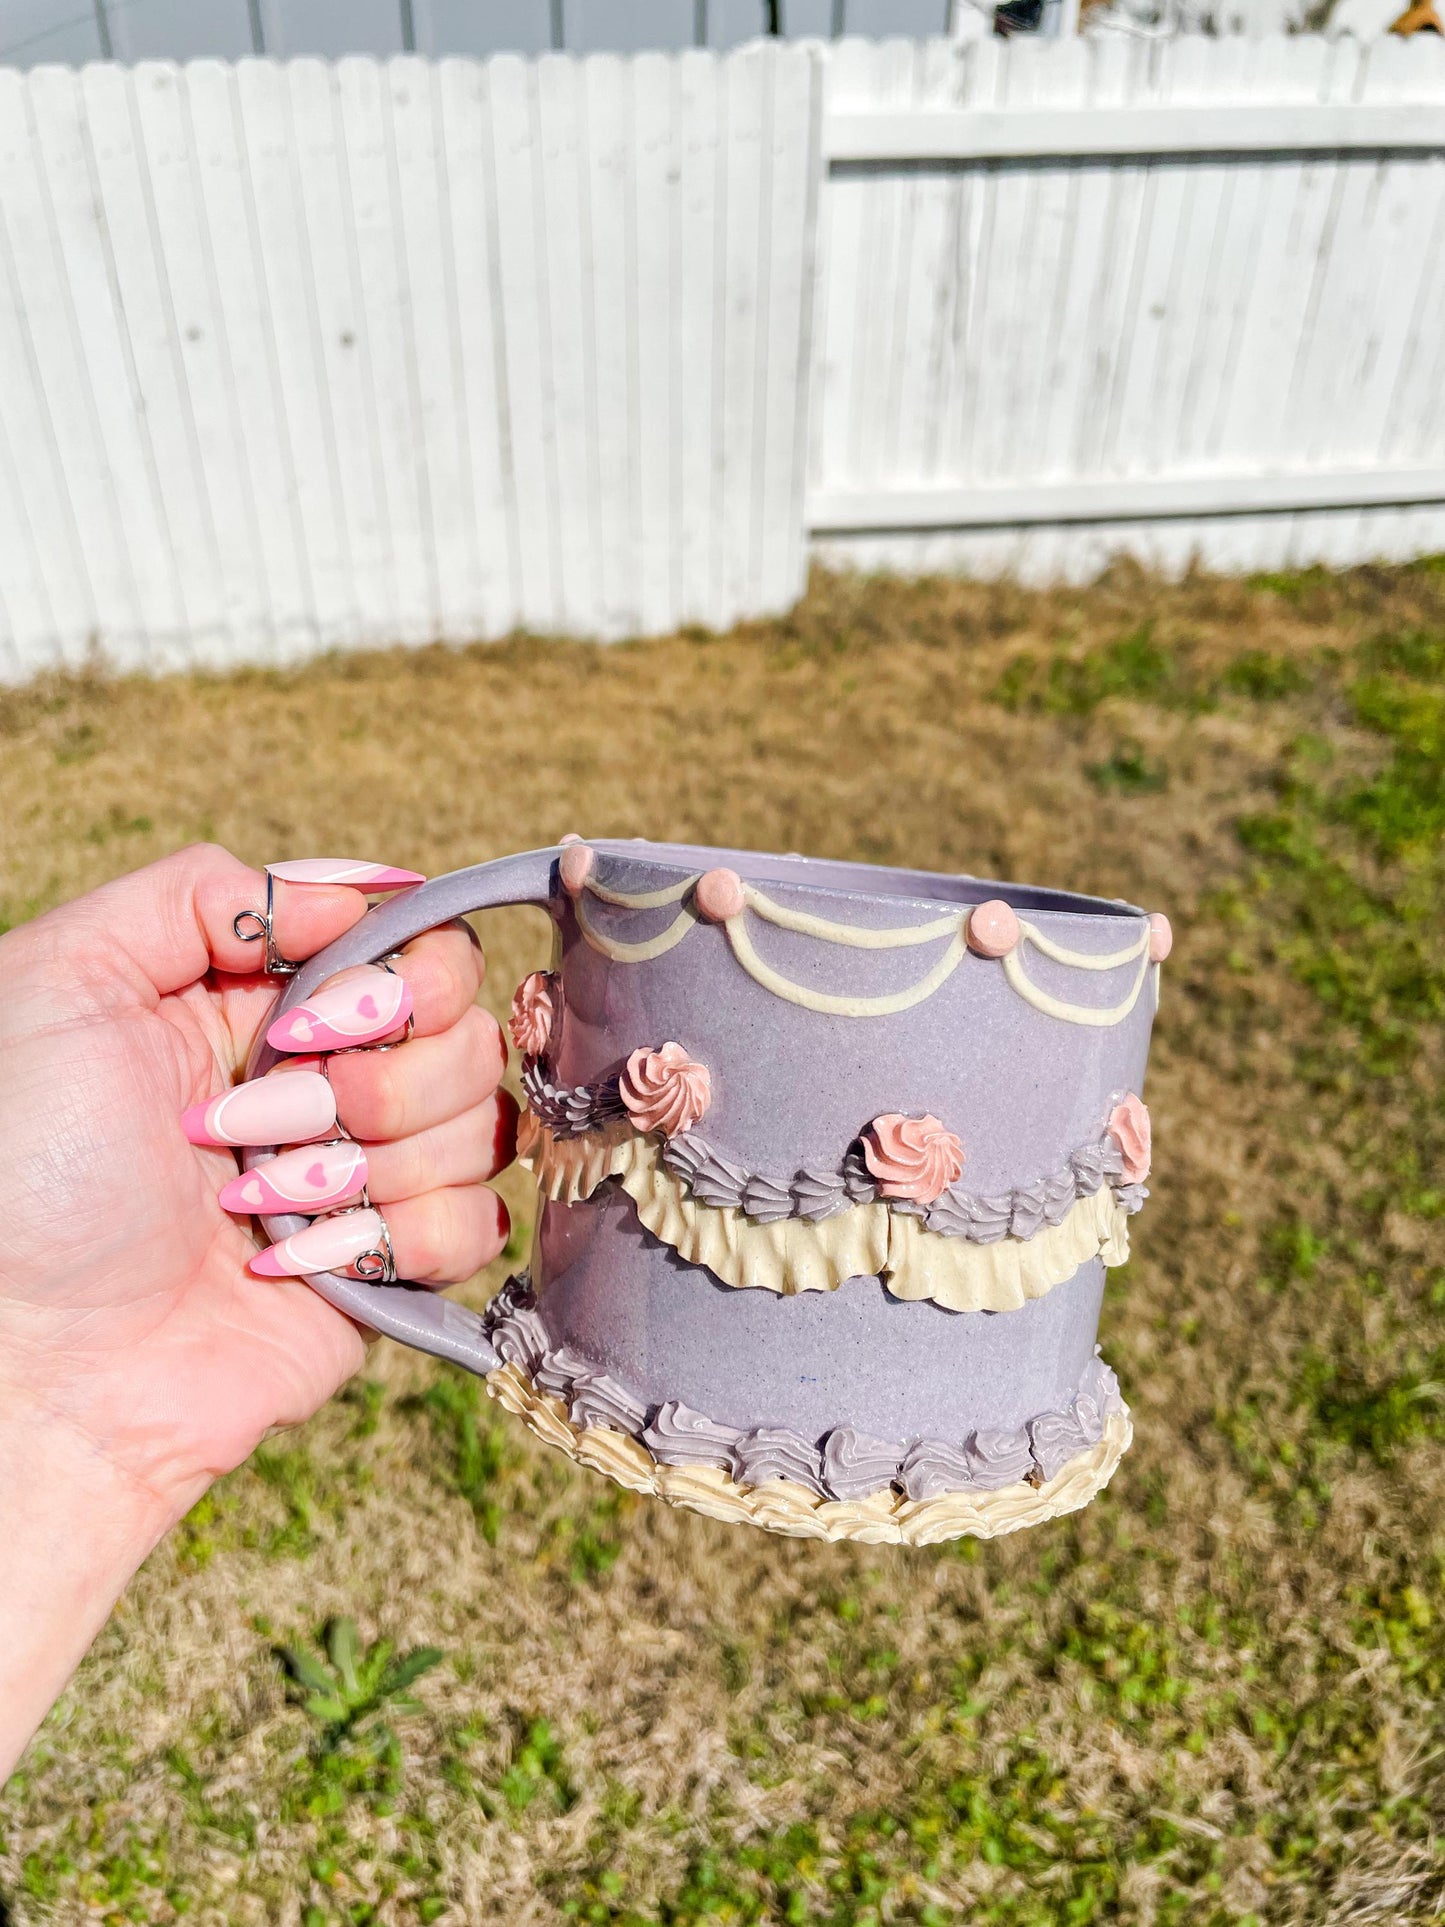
{"x":1210,"y":1698}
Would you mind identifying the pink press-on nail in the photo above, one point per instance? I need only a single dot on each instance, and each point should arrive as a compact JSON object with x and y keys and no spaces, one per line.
{"x":344,"y":869}
{"x":329,"y":1245}
{"x":272,"y":1110}
{"x":312,"y":1178}
{"x":366,"y":1006}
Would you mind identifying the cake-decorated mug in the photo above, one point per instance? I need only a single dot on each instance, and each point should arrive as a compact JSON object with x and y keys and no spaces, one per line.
{"x":831,"y":1160}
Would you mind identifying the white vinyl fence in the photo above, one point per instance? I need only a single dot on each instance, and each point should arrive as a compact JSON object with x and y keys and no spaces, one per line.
{"x":1088,"y":297}
{"x":297,"y":356}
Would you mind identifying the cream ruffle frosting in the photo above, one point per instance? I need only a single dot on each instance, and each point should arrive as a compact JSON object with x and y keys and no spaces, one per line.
{"x":778,"y":1505}
{"x":799,"y":1254}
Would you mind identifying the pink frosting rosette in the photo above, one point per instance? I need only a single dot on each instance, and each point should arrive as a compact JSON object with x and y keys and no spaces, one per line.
{"x":532,"y":1012}
{"x":916,"y":1158}
{"x":1130,"y":1129}
{"x":665,"y":1090}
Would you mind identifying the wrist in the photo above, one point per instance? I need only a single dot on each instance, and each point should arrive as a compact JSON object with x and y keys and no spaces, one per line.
{"x":75,"y":1527}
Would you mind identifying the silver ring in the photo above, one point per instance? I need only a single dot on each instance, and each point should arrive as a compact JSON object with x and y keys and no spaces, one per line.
{"x":377,"y":1266}
{"x":257,"y":926}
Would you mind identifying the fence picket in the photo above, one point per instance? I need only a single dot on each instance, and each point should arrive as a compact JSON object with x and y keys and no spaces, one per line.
{"x":50,"y":607}
{"x":289,"y":305}
{"x":259,"y":429}
{"x":488,"y":498}
{"x":192,"y":397}
{"x":62,"y":254}
{"x":561,"y":238}
{"x":528,"y":349}
{"x":606,"y":159}
{"x":652,"y":294}
{"x":697,"y":291}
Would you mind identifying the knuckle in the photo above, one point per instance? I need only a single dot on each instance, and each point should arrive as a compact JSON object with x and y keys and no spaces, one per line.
{"x":486,"y":1036}
{"x":458,"y":983}
{"x":426,"y":1237}
{"x":403,"y":1169}
{"x":381,"y":1099}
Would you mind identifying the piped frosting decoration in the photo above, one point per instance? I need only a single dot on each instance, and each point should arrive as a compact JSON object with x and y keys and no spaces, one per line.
{"x":534,"y":1009}
{"x":1130,"y":1129}
{"x":992,"y":931}
{"x":665,"y":1090}
{"x":913,"y":1158}
{"x":844,"y":1486}
{"x":792,"y":1254}
{"x":576,"y":1138}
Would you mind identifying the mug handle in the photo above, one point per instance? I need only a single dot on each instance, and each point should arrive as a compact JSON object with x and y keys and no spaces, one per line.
{"x":412,"y":1314}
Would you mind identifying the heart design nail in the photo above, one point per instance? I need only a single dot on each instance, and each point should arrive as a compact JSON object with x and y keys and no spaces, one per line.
{"x":362,"y":1008}
{"x":310,"y":1179}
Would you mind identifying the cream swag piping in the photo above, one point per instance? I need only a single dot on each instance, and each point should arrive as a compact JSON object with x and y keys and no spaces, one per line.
{"x":794,"y":1254}
{"x":952,"y":929}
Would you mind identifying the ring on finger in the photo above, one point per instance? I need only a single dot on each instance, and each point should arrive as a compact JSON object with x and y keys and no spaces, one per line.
{"x":253,"y":925}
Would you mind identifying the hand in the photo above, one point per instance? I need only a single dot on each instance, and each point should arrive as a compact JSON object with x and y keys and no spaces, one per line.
{"x":140,"y":1355}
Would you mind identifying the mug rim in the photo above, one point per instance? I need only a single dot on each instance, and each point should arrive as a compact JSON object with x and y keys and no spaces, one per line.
{"x":875,"y":882}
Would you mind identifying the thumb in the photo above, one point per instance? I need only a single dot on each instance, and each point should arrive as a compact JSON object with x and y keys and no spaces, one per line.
{"x":160,"y":929}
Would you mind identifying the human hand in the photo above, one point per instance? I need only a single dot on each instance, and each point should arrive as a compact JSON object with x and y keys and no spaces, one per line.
{"x":140,"y":1354}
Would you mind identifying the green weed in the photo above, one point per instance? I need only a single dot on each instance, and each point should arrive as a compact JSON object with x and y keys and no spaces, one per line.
{"x":538,"y":1769}
{"x":1133,"y":666}
{"x":1129,"y":771}
{"x":589,"y":1541}
{"x":352,"y":1682}
{"x":1263,"y":677}
{"x":475,"y":1446}
{"x":1294,"y":585}
{"x":1380,"y":1419}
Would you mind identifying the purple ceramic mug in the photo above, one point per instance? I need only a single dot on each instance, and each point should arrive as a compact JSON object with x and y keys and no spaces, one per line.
{"x":831,"y":1161}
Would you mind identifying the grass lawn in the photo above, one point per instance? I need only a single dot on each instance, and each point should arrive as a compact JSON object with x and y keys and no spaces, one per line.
{"x":1214,"y":1697}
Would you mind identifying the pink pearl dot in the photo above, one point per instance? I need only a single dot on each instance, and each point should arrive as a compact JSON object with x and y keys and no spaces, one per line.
{"x":1161,"y":937}
{"x":570,"y":837}
{"x":719,"y":895}
{"x":993,"y":929}
{"x":575,"y":865}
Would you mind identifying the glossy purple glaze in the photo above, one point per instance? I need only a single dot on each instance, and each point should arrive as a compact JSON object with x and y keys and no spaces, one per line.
{"x":855,"y":1356}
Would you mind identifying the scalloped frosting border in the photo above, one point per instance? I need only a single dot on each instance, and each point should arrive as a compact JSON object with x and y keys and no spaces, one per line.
{"x":780,"y":1505}
{"x":795,"y":1254}
{"x":817,"y":1192}
{"x":721,"y":896}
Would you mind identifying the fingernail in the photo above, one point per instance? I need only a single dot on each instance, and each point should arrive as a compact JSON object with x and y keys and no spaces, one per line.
{"x":272,"y":1110}
{"x":357,"y":1011}
{"x":310,"y":1179}
{"x":329,"y":1245}
{"x":344,"y":869}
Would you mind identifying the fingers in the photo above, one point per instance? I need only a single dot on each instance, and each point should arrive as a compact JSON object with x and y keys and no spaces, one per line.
{"x":432,"y":982}
{"x":319,"y":1177}
{"x":439,"y":1238}
{"x":173,"y":920}
{"x":465,"y":1150}
{"x":442,"y":1237}
{"x":396,"y":1094}
{"x":425,"y":1123}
